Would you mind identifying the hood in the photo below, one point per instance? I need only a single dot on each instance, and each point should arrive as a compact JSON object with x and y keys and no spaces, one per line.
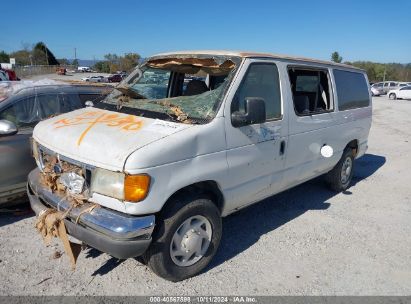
{"x":101,"y":138}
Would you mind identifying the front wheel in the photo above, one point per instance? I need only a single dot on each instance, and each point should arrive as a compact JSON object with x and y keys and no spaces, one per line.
{"x":186,"y":238}
{"x":392,"y":96}
{"x":339,"y":178}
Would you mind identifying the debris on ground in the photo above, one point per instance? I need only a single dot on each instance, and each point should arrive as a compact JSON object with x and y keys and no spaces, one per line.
{"x":56,"y":255}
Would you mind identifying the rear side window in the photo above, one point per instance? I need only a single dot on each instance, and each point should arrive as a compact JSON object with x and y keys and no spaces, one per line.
{"x":352,"y":90}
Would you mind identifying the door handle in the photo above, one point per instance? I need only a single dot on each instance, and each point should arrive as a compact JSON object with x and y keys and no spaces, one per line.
{"x":282,"y":147}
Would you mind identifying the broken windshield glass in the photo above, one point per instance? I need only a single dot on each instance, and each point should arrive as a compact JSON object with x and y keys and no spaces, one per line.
{"x":188,"y":90}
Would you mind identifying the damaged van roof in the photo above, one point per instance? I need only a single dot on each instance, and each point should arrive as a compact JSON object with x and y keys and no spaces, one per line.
{"x":247,"y":54}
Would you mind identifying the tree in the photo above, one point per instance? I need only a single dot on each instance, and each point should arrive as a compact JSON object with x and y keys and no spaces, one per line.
{"x":336,"y":57}
{"x":129,"y":61}
{"x":4,"y":57}
{"x":75,"y":62}
{"x":42,"y":55}
{"x":63,"y":61}
{"x":102,"y":67}
{"x":22,"y":57}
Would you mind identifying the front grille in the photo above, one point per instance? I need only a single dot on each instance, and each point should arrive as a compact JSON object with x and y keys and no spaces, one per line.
{"x":64,"y":164}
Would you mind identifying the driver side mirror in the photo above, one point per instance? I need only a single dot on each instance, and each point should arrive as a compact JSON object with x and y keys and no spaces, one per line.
{"x":254,"y":113}
{"x":7,"y":128}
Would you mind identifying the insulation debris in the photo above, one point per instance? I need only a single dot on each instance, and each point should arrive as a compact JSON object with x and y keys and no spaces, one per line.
{"x":55,"y":177}
{"x":50,"y":224}
{"x":68,"y":180}
{"x":190,"y":65}
{"x":176,"y":110}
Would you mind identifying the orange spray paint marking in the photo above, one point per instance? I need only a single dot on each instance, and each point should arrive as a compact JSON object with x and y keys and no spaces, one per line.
{"x":124,"y":122}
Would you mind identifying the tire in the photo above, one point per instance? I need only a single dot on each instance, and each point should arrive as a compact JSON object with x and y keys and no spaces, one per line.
{"x":392,"y":96}
{"x":336,"y":179}
{"x":188,"y":209}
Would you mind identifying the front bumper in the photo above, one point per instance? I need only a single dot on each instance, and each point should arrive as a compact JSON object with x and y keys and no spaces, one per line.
{"x":118,"y":234}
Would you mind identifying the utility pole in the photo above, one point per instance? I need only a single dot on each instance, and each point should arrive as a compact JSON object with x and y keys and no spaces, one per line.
{"x":75,"y":53}
{"x":47,"y":57}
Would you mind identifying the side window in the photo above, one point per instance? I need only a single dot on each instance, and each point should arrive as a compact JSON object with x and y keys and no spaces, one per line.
{"x":49,"y":105}
{"x":352,"y":90}
{"x":311,"y":90}
{"x":69,"y":102}
{"x":392,"y":84}
{"x":24,"y":113}
{"x":261,"y":80}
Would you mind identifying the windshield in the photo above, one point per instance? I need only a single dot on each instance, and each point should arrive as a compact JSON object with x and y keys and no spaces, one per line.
{"x":187,"y":90}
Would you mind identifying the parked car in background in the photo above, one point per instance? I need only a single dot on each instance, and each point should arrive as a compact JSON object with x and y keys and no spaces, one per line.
{"x":389,"y":85}
{"x":376,"y":90}
{"x":115,"y":78}
{"x":4,"y":76}
{"x":403,"y":84}
{"x":11,"y":75}
{"x":94,"y":79}
{"x":22,"y":105}
{"x":403,"y":92}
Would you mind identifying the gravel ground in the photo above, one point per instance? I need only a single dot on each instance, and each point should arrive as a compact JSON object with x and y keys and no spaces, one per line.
{"x":305,"y":241}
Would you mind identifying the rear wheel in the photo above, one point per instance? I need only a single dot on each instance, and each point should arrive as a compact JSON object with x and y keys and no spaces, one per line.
{"x":339,"y":178}
{"x":186,"y":237}
{"x":392,"y":96}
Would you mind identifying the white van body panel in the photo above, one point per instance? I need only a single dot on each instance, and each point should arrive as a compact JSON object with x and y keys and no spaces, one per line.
{"x":101,"y":138}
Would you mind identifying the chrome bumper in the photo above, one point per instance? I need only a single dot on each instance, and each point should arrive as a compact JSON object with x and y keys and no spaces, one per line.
{"x":119,"y":234}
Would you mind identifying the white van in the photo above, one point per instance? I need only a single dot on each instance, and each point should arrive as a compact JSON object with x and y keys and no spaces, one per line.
{"x":83,"y":69}
{"x":165,"y":161}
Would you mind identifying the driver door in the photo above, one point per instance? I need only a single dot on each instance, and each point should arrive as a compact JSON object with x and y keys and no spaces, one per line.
{"x":256,"y":153}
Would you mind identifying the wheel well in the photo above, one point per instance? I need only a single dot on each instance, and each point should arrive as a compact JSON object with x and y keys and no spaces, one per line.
{"x":209,"y":187}
{"x":353,"y":145}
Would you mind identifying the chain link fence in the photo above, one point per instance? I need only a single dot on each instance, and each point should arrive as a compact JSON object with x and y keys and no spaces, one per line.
{"x":32,"y":70}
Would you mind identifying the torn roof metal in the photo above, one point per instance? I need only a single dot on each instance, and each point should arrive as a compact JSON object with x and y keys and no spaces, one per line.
{"x":192,"y":65}
{"x":247,"y":54}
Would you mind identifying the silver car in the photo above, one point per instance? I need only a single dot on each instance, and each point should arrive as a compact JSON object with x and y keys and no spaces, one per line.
{"x":22,"y":106}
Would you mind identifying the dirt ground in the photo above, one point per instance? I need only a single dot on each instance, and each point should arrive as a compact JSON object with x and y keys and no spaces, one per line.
{"x":305,"y":241}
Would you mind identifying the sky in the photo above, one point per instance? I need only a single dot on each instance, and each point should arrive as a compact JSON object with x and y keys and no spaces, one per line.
{"x":358,"y":29}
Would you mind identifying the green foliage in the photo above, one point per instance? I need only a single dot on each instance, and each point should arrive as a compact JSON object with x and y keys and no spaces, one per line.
{"x":114,"y":63}
{"x":102,"y":67}
{"x":22,"y":57}
{"x":75,"y":62}
{"x":63,"y":61}
{"x":43,"y":56}
{"x":335,"y":56}
{"x":4,"y":57}
{"x":392,"y":71}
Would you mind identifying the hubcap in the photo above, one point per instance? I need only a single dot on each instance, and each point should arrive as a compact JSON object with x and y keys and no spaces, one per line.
{"x":191,"y":241}
{"x":346,"y":170}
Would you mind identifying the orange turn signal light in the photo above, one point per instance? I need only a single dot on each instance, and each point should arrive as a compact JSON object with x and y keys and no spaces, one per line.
{"x":136,"y":187}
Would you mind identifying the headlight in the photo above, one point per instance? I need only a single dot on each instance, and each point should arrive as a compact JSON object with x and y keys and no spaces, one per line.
{"x":36,"y":155}
{"x":132,"y":188}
